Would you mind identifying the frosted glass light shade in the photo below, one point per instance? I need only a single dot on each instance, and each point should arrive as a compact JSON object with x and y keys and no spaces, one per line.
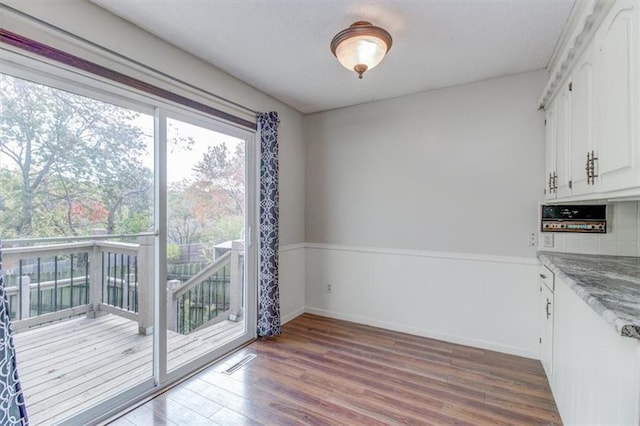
{"x":361,"y":47}
{"x":361,"y":50}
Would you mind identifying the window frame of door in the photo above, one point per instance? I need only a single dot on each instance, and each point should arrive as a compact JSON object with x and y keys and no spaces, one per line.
{"x":54,"y":75}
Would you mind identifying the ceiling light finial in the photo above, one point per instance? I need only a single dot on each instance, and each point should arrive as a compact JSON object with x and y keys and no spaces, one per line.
{"x":361,"y":47}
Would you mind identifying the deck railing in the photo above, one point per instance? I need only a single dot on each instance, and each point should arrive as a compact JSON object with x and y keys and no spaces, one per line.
{"x":53,"y":281}
{"x":212,"y":295}
{"x":46,"y":283}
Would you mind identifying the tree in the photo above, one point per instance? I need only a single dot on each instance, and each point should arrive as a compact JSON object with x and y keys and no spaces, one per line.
{"x":184,"y":227}
{"x":10,"y":185}
{"x":74,"y":157}
{"x":210,"y":206}
{"x":221,"y":174}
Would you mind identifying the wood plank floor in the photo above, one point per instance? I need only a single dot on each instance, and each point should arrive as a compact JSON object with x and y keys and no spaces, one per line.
{"x":71,"y":365}
{"x":328,"y":372}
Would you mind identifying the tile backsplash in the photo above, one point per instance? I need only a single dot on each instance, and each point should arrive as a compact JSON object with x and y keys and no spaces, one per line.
{"x":622,"y":237}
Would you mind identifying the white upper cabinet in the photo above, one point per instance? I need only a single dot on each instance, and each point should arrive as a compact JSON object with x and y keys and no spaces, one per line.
{"x":617,"y":77}
{"x":563,"y":140}
{"x":582,"y":121}
{"x":595,"y":112}
{"x":558,"y":134}
{"x":550,"y":153}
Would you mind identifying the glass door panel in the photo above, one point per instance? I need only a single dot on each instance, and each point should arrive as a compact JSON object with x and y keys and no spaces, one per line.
{"x":76,"y":188}
{"x":207,"y":231}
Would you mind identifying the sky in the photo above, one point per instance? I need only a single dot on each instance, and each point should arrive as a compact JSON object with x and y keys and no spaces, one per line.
{"x":181,"y":159}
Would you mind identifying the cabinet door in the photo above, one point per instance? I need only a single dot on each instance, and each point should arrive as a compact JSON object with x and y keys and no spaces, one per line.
{"x":563,"y":133}
{"x":546,"y":329}
{"x":616,"y":61}
{"x":596,"y":371}
{"x":550,"y":153}
{"x":582,"y":116}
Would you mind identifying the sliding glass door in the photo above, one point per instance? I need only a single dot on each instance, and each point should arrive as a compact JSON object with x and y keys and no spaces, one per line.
{"x":76,"y":215}
{"x":129,"y":246}
{"x":210,"y":183}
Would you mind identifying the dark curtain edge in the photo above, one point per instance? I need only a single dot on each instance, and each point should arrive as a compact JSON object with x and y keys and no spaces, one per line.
{"x":269,"y":321}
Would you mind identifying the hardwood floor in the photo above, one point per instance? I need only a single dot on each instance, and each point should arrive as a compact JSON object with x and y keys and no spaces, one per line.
{"x":326,"y":372}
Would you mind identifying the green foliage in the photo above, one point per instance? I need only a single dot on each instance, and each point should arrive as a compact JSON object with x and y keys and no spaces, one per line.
{"x":74,"y":163}
{"x":132,"y":222}
{"x":225,"y":228}
{"x":9,"y":202}
{"x":173,"y":251}
{"x":70,"y":164}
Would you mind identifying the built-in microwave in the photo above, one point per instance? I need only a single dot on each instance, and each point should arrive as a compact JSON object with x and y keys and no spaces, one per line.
{"x":562,"y":218}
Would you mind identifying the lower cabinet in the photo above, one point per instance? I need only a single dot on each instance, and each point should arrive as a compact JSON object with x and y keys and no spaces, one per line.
{"x":596,"y":372}
{"x":546,"y":319}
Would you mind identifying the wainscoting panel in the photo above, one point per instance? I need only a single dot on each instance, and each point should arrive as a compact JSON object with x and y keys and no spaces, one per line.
{"x":489,"y":302}
{"x":292,"y":281}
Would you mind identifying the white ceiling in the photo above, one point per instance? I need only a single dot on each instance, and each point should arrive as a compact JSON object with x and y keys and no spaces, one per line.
{"x":282,"y":46}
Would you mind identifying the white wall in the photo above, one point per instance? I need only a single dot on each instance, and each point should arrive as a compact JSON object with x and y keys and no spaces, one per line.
{"x":457,"y":169}
{"x":92,"y":23}
{"x":418,"y":210}
{"x":622,"y":237}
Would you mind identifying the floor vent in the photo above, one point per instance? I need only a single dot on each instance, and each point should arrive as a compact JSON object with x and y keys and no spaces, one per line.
{"x":238,"y":365}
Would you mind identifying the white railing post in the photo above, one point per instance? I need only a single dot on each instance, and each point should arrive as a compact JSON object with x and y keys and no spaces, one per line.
{"x":145,"y":265}
{"x":172,"y":305}
{"x":125,"y":290}
{"x":95,"y":281}
{"x":95,"y":276}
{"x":235,"y":285}
{"x":25,"y":297}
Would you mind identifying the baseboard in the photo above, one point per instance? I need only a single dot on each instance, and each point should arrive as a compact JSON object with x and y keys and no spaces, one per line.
{"x":293,"y":315}
{"x":476,"y":343}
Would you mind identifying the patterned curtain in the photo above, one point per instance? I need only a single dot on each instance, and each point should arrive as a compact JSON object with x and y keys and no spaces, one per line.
{"x":268,"y":291}
{"x":13,"y":410}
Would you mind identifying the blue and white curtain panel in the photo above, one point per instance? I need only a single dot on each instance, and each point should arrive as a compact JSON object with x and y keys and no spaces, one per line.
{"x":13,"y":410}
{"x":268,"y":291}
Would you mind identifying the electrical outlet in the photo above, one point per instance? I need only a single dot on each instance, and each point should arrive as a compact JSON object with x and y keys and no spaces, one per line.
{"x":329,"y":289}
{"x":533,"y":239}
{"x":548,"y":239}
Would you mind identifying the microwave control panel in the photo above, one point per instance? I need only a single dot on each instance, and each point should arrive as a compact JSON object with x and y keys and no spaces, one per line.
{"x":595,"y":226}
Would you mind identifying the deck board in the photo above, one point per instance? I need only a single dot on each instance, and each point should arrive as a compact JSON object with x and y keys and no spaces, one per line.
{"x":83,"y":339}
{"x":71,"y":365}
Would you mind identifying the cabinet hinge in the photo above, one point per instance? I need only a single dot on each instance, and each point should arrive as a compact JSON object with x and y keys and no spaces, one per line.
{"x":571,"y":86}
{"x":541,"y":340}
{"x":570,"y":184}
{"x":545,"y":121}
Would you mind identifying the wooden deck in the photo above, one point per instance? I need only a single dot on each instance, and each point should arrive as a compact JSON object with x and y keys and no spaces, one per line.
{"x":71,"y":365}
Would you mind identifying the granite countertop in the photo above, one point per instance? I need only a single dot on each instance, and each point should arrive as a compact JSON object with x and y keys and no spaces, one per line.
{"x":609,"y":284}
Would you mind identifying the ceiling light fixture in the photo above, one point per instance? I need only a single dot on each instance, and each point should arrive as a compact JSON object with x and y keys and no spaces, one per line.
{"x":361,"y":47}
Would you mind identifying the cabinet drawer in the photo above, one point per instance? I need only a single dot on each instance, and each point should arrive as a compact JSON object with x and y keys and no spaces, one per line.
{"x":547,"y":277}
